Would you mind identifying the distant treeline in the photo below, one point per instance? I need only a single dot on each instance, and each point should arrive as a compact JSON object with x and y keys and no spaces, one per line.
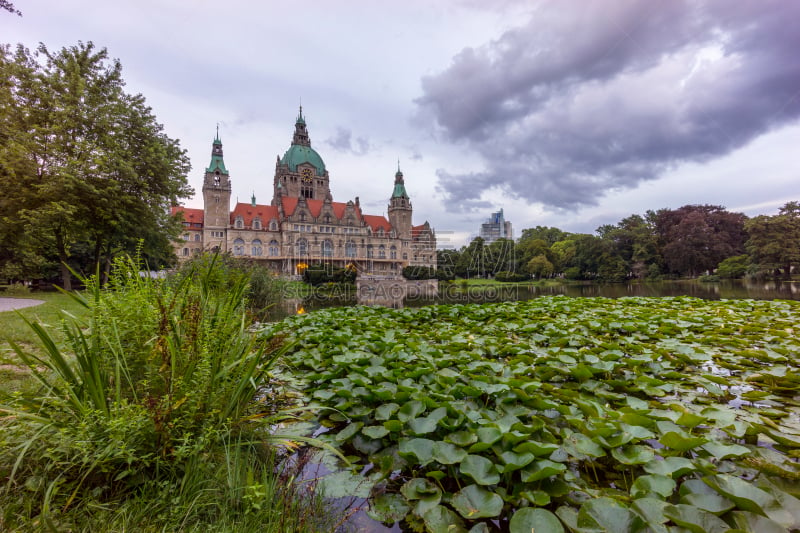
{"x":668,"y":243}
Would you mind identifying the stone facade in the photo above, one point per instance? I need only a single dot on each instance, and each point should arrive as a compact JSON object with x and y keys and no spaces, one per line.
{"x":303,"y":225}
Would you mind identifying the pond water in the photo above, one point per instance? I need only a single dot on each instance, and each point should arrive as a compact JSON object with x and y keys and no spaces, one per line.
{"x":457,"y":292}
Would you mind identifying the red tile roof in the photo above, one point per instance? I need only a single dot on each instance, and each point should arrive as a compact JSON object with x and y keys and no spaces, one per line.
{"x":376,"y":221}
{"x":249,"y":211}
{"x":190,"y":214}
{"x":416,"y":230}
{"x":315,"y":206}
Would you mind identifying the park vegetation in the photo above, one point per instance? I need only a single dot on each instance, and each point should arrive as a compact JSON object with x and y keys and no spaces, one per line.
{"x":88,"y":172}
{"x":664,"y":244}
{"x":155,"y":411}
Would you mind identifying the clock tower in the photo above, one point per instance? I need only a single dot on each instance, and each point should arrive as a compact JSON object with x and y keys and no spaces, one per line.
{"x":216,"y":200}
{"x":400,"y":207}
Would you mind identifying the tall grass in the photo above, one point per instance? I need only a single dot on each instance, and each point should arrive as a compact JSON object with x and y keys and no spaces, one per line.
{"x":154,"y":417}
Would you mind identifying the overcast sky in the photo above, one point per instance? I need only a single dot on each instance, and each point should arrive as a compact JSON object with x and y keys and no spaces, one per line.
{"x":571,"y":114}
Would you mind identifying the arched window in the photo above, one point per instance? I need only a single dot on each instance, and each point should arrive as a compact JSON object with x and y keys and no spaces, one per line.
{"x":381,"y":252}
{"x":196,"y":237}
{"x":302,"y":247}
{"x":369,"y":251}
{"x":327,"y":248}
{"x":256,"y":248}
{"x":185,"y":251}
{"x":256,"y":223}
{"x":273,"y":225}
{"x":350,"y":249}
{"x":238,"y":247}
{"x":380,"y":232}
{"x":393,"y":252}
{"x":239,"y":223}
{"x":274,"y":249}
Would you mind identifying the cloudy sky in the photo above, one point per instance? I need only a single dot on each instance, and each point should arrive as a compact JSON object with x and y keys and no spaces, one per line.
{"x":563,"y":113}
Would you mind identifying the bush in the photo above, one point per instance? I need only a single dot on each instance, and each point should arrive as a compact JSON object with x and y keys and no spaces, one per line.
{"x":510,"y":276}
{"x":320,"y":274}
{"x":734,"y":267}
{"x":159,"y":397}
{"x":17,"y":289}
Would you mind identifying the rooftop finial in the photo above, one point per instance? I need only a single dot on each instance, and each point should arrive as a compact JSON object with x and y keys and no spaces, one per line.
{"x":398,"y":164}
{"x":217,"y":137}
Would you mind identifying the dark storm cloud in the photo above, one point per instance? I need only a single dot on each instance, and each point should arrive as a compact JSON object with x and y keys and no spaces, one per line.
{"x":591,"y":97}
{"x":343,"y":142}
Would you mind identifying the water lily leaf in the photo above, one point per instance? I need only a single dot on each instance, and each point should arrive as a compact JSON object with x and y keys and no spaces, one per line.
{"x":653,"y":483}
{"x":579,"y":445}
{"x":481,"y":469}
{"x":539,"y":498}
{"x":375,"y":432}
{"x":447,"y":454}
{"x":745,"y":495}
{"x":388,"y":508}
{"x":538,"y":449}
{"x":690,"y":420}
{"x":651,"y":510}
{"x":754,"y":522}
{"x":474,"y":501}
{"x":345,"y":484}
{"x":421,"y":426}
{"x":676,"y":441}
{"x":385,"y":411}
{"x":480,"y":527}
{"x":462,"y":438}
{"x":418,"y":487}
{"x":393,"y":425}
{"x":410,"y":410}
{"x":527,"y":519}
{"x":486,"y":437}
{"x":694,"y":519}
{"x":349,"y":431}
{"x":442,"y":520}
{"x":427,"y":503}
{"x":542,"y":469}
{"x":421,"y":449}
{"x":674,"y":467}
{"x":605,"y":514}
{"x":713,"y":503}
{"x":515,"y":461}
{"x":725,"y":451}
{"x":633,"y":455}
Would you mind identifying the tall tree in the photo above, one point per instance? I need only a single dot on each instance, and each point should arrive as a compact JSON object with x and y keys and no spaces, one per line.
{"x":91,"y":167}
{"x":774,"y":241}
{"x":695,"y":238}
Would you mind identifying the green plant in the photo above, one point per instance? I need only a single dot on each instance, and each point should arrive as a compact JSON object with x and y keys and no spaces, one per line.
{"x":162,"y":393}
{"x":17,"y":289}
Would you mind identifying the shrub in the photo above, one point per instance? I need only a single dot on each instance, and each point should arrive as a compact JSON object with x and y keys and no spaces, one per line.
{"x":161,"y":395}
{"x":320,"y":274}
{"x":734,"y":267}
{"x":510,"y":276}
{"x":17,"y":289}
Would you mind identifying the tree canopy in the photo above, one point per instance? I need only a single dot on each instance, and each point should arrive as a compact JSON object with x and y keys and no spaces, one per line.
{"x":89,"y":171}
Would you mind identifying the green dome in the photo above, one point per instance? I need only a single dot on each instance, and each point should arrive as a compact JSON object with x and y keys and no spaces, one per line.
{"x":298,"y":154}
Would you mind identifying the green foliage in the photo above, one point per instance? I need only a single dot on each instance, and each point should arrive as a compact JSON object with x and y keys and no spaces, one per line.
{"x":320,"y":274}
{"x":510,"y":277}
{"x":586,"y":414}
{"x":540,"y":267}
{"x":89,"y":173}
{"x":162,"y":395}
{"x":17,"y":289}
{"x":774,"y":241}
{"x":734,"y":267}
{"x":264,"y":287}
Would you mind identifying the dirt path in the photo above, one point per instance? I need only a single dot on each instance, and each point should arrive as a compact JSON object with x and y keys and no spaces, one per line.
{"x":9,"y":304}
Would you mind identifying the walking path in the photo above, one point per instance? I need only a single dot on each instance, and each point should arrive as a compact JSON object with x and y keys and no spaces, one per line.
{"x":9,"y":304}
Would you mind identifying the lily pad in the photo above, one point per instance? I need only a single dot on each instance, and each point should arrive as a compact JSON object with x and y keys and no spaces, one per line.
{"x":474,"y":501}
{"x":447,"y":453}
{"x":440,"y":519}
{"x":527,"y":519}
{"x":480,"y":469}
{"x":388,"y":508}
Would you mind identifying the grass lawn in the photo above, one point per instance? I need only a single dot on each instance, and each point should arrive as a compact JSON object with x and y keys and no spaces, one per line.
{"x":13,"y":328}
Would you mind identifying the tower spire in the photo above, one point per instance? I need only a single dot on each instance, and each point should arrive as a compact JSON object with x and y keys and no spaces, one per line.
{"x":300,"y":130}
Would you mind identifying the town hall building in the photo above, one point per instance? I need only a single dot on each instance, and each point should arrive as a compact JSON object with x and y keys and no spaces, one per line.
{"x":303,"y":225}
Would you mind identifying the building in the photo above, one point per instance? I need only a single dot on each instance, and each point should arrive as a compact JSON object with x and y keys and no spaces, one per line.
{"x":303,"y":225}
{"x":497,"y":227}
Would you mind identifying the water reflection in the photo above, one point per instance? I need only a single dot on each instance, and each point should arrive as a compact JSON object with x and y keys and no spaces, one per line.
{"x":457,"y":292}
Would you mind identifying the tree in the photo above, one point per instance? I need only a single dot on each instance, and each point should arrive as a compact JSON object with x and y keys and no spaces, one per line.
{"x":733,"y":267}
{"x":8,"y":6}
{"x":540,"y":267}
{"x":774,"y":241}
{"x":91,"y":172}
{"x":696,"y":238}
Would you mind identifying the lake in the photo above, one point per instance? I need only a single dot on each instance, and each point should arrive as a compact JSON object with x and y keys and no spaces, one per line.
{"x":457,"y":292}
